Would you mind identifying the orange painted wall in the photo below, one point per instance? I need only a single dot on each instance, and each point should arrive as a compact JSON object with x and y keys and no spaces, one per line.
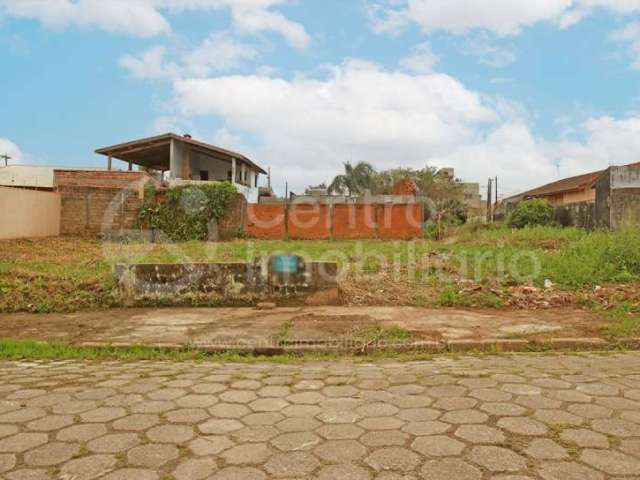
{"x":400,"y":221}
{"x":265,"y":221}
{"x":309,"y":221}
{"x":340,"y":221}
{"x":354,"y":221}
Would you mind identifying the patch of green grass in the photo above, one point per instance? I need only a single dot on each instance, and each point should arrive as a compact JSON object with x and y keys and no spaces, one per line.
{"x":451,"y":296}
{"x":31,"y":350}
{"x":625,"y":321}
{"x":490,"y":300}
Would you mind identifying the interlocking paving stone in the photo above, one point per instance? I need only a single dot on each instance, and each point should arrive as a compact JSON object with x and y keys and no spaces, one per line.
{"x":22,"y":442}
{"x":510,"y":417}
{"x":152,"y":455}
{"x":340,"y":451}
{"x":437,"y":446}
{"x":611,"y":462}
{"x":343,"y":472}
{"x":88,"y":468}
{"x":195,"y":469}
{"x":50,"y":454}
{"x":584,"y":438}
{"x":568,"y":471}
{"x":450,"y":469}
{"x":81,"y":433}
{"x":497,"y":459}
{"x":115,"y":442}
{"x":393,"y":458}
{"x":248,"y":454}
{"x":292,"y":464}
{"x":546,"y":449}
{"x":480,"y":434}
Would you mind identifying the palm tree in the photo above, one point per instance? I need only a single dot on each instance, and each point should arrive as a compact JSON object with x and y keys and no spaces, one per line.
{"x":355,"y":180}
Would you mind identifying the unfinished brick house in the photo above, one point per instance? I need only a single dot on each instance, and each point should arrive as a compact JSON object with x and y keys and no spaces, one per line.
{"x":183,"y":159}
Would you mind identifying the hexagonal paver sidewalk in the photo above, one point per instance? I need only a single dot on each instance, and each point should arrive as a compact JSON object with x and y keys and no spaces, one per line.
{"x":507,"y":417}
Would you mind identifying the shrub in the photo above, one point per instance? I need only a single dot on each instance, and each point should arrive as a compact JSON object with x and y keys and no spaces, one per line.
{"x":531,"y":213}
{"x":187,"y":211}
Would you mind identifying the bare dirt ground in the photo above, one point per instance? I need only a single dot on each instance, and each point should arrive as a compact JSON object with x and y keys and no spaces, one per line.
{"x":208,"y":326}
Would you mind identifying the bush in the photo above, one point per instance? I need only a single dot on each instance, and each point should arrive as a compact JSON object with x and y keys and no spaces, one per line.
{"x":531,"y":213}
{"x":187,"y":211}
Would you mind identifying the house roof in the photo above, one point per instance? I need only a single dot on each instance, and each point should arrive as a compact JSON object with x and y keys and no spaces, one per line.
{"x":153,"y":152}
{"x":579,"y":182}
{"x":571,"y":184}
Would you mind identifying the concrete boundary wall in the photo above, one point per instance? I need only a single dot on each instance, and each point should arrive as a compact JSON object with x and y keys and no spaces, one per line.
{"x":323,"y":221}
{"x":29,"y":213}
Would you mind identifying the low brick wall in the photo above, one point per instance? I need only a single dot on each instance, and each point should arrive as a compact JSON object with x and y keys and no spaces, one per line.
{"x":313,"y":221}
{"x":98,"y":202}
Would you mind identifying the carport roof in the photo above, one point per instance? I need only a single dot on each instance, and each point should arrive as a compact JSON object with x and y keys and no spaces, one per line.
{"x":154,"y":152}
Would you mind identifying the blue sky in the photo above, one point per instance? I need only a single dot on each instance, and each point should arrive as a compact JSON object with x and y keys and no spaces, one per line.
{"x":527,"y":91}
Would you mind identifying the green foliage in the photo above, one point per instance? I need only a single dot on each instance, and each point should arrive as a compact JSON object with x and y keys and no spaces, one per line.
{"x":451,"y":296}
{"x":625,"y":321}
{"x":597,"y":258}
{"x":187,"y":211}
{"x":531,"y":213}
{"x":356,"y":179}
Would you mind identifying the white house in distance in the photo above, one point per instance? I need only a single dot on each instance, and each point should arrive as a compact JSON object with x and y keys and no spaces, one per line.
{"x":189,"y":160}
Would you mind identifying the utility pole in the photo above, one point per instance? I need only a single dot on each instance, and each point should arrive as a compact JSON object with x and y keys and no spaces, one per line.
{"x":6,"y":159}
{"x":489,"y":201}
{"x":493,"y":216}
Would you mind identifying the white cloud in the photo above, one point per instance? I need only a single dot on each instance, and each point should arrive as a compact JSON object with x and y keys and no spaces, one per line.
{"x":630,"y":34}
{"x":218,"y":53}
{"x":146,"y":18}
{"x":305,"y":128}
{"x":421,"y":60}
{"x":7,"y":147}
{"x":150,"y":64}
{"x":502,"y":17}
{"x":488,"y":53}
{"x":118,"y":16}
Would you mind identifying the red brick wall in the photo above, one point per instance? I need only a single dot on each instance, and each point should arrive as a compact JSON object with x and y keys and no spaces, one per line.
{"x":354,"y":221}
{"x":266,"y":221}
{"x":321,"y":221}
{"x":95,"y":202}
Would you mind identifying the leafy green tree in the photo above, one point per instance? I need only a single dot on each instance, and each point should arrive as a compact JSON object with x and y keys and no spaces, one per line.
{"x":356,"y":179}
{"x":531,"y":213}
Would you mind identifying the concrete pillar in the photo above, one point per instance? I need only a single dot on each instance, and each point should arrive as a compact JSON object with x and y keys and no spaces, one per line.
{"x":172,"y":159}
{"x":109,"y":163}
{"x":233,"y":170}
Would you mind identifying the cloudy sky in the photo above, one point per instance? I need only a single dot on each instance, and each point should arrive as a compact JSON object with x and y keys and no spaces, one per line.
{"x":530,"y":90}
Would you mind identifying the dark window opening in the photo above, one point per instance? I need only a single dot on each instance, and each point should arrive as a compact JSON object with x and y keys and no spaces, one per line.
{"x":204,"y":175}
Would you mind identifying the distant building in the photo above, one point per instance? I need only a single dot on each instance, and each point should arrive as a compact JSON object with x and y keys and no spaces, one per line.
{"x":26,"y":176}
{"x":471,"y":191}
